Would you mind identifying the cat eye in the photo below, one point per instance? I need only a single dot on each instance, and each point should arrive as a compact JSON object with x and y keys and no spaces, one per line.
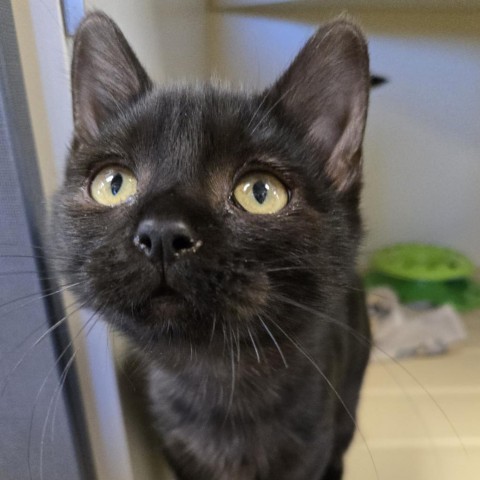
{"x":113,"y":186}
{"x":260,"y":193}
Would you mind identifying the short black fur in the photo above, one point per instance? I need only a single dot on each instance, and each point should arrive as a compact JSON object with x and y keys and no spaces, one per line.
{"x":255,"y":337}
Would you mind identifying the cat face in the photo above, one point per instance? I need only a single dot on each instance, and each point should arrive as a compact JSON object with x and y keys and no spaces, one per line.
{"x":189,"y":210}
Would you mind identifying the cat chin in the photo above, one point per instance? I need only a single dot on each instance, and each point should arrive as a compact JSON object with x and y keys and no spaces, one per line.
{"x":167,"y":308}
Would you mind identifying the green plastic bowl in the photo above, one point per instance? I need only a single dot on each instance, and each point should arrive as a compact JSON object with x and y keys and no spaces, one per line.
{"x":420,"y":272}
{"x":464,"y":294}
{"x":421,"y":262}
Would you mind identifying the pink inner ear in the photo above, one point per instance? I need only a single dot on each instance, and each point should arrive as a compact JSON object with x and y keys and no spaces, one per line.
{"x":324,"y":132}
{"x":344,"y":166}
{"x":87,"y":111}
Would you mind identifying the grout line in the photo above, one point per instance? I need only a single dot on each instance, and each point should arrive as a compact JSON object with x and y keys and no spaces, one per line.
{"x":423,"y":443}
{"x":418,"y":392}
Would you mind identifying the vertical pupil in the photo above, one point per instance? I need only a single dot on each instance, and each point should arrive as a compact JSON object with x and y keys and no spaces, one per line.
{"x":116,"y":183}
{"x":260,"y":191}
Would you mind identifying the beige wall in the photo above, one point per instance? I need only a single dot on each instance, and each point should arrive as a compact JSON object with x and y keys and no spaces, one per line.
{"x":167,"y":35}
{"x":45,"y":70}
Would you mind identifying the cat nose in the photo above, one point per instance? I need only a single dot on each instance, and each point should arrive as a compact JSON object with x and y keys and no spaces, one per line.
{"x":165,"y":240}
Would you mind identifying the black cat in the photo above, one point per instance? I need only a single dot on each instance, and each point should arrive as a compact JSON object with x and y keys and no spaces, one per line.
{"x":219,"y":230}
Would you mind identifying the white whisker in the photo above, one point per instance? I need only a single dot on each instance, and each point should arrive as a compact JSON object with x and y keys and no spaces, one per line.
{"x":270,"y":334}
{"x":253,"y":344}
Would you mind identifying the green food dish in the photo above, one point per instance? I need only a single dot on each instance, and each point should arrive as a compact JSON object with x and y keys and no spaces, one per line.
{"x":419,"y":272}
{"x":421,"y":262}
{"x":463,"y":295}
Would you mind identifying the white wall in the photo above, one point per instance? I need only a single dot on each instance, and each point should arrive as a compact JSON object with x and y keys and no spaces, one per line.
{"x":423,"y":143}
{"x":45,"y":66}
{"x":422,"y":147}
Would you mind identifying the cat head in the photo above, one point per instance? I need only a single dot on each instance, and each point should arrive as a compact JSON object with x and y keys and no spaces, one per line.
{"x":186,"y":209}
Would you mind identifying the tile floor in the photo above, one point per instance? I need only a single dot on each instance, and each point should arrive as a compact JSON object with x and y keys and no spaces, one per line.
{"x":421,"y":418}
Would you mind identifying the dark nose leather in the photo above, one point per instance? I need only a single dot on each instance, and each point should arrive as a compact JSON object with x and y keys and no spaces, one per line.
{"x":165,"y":239}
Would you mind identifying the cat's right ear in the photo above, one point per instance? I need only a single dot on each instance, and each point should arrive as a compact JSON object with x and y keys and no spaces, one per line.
{"x":325,"y":93}
{"x":106,"y":75}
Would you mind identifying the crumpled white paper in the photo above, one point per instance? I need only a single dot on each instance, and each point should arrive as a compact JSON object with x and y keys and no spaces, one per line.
{"x":399,"y":331}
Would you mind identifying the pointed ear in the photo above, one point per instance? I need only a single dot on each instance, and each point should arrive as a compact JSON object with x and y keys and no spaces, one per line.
{"x":106,"y":75}
{"x":325,"y":91}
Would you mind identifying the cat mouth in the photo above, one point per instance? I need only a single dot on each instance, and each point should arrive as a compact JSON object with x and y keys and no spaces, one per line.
{"x":165,"y":302}
{"x":165,"y":292}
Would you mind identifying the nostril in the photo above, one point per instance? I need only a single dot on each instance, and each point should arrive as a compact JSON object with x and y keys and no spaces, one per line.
{"x":143,"y":242}
{"x":182,"y":242}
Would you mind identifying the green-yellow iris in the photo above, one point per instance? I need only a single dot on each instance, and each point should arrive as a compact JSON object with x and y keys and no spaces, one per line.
{"x":261,"y":193}
{"x":113,"y":186}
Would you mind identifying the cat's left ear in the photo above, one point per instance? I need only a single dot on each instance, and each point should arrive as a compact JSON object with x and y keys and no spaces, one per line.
{"x":106,"y":74}
{"x":325,"y":91}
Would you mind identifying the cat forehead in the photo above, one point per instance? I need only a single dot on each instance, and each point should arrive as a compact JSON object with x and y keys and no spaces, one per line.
{"x":207,"y":106}
{"x":188,"y":123}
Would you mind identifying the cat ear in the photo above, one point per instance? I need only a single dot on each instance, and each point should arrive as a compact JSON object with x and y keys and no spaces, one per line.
{"x":106,"y":74}
{"x":325,"y":91}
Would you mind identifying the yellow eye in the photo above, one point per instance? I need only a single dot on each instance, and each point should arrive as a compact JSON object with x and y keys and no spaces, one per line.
{"x":113,"y":186}
{"x":261,"y":193}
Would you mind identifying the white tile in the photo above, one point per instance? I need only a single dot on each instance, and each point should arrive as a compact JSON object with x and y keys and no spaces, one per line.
{"x":420,"y":417}
{"x":412,"y":463}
